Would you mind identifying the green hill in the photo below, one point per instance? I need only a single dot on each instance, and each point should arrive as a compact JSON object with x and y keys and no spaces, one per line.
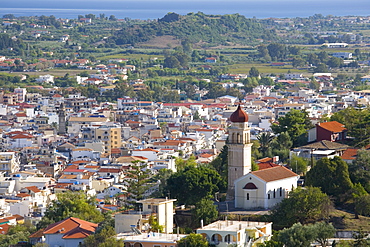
{"x":209,"y":29}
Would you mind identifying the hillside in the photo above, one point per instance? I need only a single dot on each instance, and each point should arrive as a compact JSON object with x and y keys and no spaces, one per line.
{"x":211,"y":30}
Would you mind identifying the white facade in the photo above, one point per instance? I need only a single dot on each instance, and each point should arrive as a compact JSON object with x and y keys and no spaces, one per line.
{"x":45,"y":79}
{"x":84,"y":153}
{"x":236,"y":233}
{"x":9,"y":162}
{"x":264,"y":188}
{"x":148,"y":153}
{"x":163,"y":208}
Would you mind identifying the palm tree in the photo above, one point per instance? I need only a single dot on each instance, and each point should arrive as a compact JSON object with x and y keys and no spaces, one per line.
{"x":264,"y":139}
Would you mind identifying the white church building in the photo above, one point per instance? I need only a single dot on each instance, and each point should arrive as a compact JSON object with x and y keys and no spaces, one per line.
{"x":253,"y":189}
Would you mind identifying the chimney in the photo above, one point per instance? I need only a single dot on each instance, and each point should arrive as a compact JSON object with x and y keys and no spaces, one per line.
{"x":201,"y":224}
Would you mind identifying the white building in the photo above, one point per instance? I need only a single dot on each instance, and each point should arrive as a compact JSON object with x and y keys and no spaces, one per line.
{"x":9,"y":162}
{"x":344,"y":55}
{"x":236,"y":233}
{"x":69,"y":232}
{"x":45,"y":79}
{"x":161,"y":208}
{"x":264,"y":188}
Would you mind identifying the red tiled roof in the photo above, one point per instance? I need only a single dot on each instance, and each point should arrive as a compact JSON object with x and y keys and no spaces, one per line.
{"x":274,"y":173}
{"x":110,"y":170}
{"x":33,"y":189}
{"x":265,"y":165}
{"x":4,"y":229}
{"x":23,"y":195}
{"x":147,"y":149}
{"x":349,"y":154}
{"x":21,"y":114}
{"x":267,"y":159}
{"x":72,"y":228}
{"x":333,"y":126}
{"x":21,"y":136}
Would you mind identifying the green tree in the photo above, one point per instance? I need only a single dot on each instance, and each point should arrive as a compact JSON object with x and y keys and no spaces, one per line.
{"x":193,"y":240}
{"x":265,"y":140}
{"x":162,"y":176}
{"x":139,"y":175}
{"x":154,"y":225}
{"x":194,"y":183}
{"x":298,"y":62}
{"x":277,"y":51}
{"x":71,"y":204}
{"x":323,"y":231}
{"x":104,"y":237}
{"x":181,"y":164}
{"x":321,"y":68}
{"x":335,"y":62}
{"x":303,"y":205}
{"x":253,"y":72}
{"x":331,"y":176}
{"x":298,"y":164}
{"x":360,"y":239}
{"x":204,"y":210}
{"x":281,"y":145}
{"x":171,"y":62}
{"x":362,"y":205}
{"x":220,"y":163}
{"x":359,"y":169}
{"x":16,"y":234}
{"x":357,"y":123}
{"x":297,"y":235}
{"x":296,"y":123}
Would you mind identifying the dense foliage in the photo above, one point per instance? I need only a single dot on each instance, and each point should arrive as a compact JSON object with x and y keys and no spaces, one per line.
{"x":331,"y":176}
{"x":71,"y":204}
{"x":192,"y":184}
{"x":296,"y":123}
{"x":197,"y":27}
{"x":304,"y":205}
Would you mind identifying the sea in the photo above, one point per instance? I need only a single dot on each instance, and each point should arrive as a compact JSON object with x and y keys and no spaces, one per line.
{"x":154,"y":9}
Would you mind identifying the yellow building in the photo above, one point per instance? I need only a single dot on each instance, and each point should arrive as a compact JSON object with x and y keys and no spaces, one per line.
{"x":109,"y":135}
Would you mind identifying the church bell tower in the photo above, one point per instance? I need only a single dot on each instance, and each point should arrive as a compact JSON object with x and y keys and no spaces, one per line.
{"x":239,"y":149}
{"x":62,"y":120}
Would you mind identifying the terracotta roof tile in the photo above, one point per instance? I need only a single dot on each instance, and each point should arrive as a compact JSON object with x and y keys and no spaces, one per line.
{"x":274,"y":173}
{"x":72,"y":228}
{"x":349,"y":154}
{"x":332,"y":126}
{"x":266,"y":165}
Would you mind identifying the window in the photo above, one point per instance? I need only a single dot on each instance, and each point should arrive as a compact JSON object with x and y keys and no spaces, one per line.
{"x":281,"y":191}
{"x":268,"y":196}
{"x":274,"y":193}
{"x":149,"y":206}
{"x":248,"y":196}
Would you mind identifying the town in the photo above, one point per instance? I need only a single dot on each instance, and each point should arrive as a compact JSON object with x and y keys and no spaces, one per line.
{"x":183,"y":145}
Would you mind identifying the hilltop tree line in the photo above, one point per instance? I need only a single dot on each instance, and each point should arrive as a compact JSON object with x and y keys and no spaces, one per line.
{"x":196,"y":27}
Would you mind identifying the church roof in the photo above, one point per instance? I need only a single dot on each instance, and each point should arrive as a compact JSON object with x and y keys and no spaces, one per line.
{"x":239,"y":116}
{"x":274,"y":173}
